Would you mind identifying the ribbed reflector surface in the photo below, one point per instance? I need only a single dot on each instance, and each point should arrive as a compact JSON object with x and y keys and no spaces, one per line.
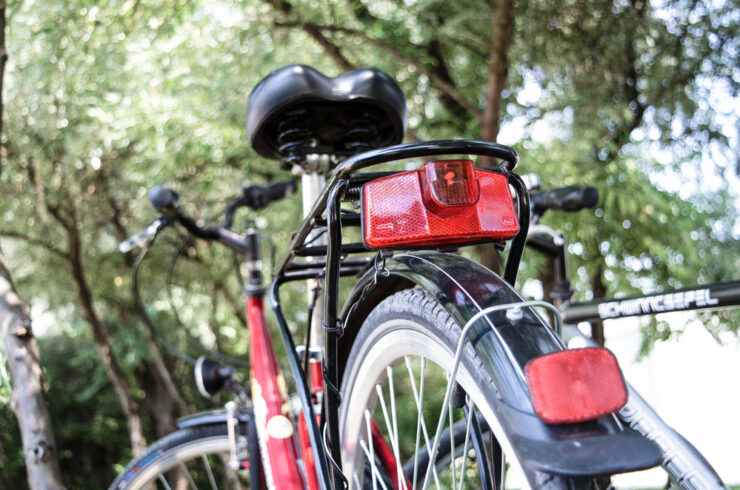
{"x":575,"y":385}
{"x":396,"y":215}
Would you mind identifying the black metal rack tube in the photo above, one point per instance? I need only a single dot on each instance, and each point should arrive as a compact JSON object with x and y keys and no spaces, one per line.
{"x":321,"y":250}
{"x":314,"y":434}
{"x":355,"y":262}
{"x":332,"y":327}
{"x":712,"y":296}
{"x":426,"y":149}
{"x":319,"y":274}
{"x":517,"y":244}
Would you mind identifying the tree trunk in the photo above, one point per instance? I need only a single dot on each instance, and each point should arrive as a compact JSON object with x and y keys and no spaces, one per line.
{"x":102,"y":344}
{"x":498,"y":69}
{"x":3,"y":59}
{"x":28,"y":400}
{"x":599,"y":291}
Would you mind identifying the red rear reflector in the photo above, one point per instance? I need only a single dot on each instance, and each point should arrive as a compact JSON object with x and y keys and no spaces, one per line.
{"x":575,"y":385}
{"x":444,"y":202}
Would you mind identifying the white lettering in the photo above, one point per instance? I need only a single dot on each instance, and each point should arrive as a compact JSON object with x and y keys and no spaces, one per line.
{"x":701,"y":298}
{"x":655,"y":304}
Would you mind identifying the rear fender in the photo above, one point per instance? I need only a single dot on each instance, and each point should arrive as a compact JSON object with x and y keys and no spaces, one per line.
{"x":213,"y":417}
{"x":505,"y":343}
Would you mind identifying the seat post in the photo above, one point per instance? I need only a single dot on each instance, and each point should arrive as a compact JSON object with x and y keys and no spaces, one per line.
{"x":311,"y":185}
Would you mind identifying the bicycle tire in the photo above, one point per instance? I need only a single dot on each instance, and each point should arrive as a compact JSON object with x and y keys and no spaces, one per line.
{"x":179,"y":456}
{"x":412,"y":324}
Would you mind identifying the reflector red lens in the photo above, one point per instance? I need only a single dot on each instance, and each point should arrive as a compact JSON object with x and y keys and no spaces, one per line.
{"x":445,"y":202}
{"x":449,"y":183}
{"x":575,"y":385}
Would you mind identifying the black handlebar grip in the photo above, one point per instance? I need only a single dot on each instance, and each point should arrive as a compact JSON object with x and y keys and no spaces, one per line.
{"x":590,"y":197}
{"x":570,"y":198}
{"x":164,"y":200}
{"x":279,"y":190}
{"x":256,"y":197}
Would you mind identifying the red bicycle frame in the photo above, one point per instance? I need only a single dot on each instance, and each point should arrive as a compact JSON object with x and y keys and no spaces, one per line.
{"x":271,"y":413}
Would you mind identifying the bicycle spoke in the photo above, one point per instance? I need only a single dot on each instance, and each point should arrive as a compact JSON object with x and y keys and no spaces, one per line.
{"x":188,"y":476}
{"x":371,"y":457}
{"x":164,"y":483}
{"x":396,"y":449}
{"x":440,"y":424}
{"x":419,"y":400}
{"x":471,"y":411}
{"x":373,"y":468}
{"x":391,"y":436}
{"x":452,"y":439}
{"x":418,"y":414}
{"x":210,"y":472}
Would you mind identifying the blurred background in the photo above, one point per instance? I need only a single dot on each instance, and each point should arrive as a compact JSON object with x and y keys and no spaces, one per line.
{"x":104,"y":99}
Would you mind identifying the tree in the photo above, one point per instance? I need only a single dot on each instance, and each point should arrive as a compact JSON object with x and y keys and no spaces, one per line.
{"x":28,"y":398}
{"x":111,"y":99}
{"x":598,"y":89}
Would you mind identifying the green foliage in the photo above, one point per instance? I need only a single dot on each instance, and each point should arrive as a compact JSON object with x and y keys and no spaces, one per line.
{"x":88,"y":424}
{"x":11,"y":451}
{"x":106,"y":99}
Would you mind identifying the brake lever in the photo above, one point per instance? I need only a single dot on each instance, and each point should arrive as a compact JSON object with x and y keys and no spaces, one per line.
{"x":143,"y":237}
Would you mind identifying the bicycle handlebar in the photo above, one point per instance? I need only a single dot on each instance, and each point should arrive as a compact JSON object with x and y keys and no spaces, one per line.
{"x":167,"y":202}
{"x":571,"y":198}
{"x":143,"y":236}
{"x":256,"y":197}
{"x":164,"y":200}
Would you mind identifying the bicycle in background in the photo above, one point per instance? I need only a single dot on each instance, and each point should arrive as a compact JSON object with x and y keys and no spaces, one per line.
{"x":683,"y":463}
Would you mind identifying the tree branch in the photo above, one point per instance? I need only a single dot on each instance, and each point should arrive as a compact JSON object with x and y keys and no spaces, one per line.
{"x":442,"y":85}
{"x":620,"y":136}
{"x":36,"y":242}
{"x":312,"y":30}
{"x":331,"y":49}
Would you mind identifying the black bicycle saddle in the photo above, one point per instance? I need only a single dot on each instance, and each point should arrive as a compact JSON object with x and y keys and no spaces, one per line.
{"x":297,"y":110}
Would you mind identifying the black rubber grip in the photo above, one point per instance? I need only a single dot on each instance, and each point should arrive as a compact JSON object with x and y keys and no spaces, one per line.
{"x":256,"y":197}
{"x":280,"y":190}
{"x":163,"y":199}
{"x":571,"y":198}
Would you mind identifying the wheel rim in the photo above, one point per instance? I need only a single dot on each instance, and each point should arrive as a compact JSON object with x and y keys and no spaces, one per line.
{"x":200,"y":463}
{"x":409,"y":351}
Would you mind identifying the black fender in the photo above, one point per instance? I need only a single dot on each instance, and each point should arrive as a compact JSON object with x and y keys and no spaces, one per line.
{"x":213,"y":417}
{"x":504,"y":345}
{"x":246,"y":427}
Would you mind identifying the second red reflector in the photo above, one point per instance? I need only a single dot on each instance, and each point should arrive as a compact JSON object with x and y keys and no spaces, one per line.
{"x":577,"y":385}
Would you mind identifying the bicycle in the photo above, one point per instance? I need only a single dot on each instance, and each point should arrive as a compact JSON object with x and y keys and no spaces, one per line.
{"x":681,"y":460}
{"x":417,"y":315}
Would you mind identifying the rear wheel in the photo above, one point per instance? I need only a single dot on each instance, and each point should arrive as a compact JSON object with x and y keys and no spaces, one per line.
{"x":393,"y":388}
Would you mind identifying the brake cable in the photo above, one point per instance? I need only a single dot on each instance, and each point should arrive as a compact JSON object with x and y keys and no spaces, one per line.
{"x":176,"y":315}
{"x":237,"y":268}
{"x":142,"y":311}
